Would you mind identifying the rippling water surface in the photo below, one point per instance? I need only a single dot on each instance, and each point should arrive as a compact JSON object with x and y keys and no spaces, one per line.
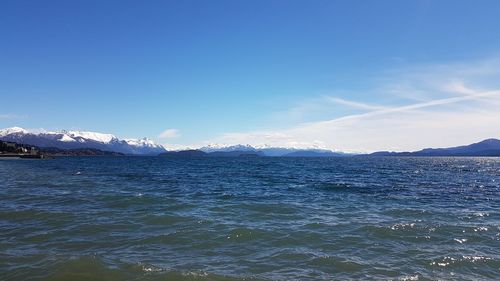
{"x":151,"y":218}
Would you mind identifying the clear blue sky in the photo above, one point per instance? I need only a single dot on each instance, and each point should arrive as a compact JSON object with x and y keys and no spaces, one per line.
{"x":213,"y":68}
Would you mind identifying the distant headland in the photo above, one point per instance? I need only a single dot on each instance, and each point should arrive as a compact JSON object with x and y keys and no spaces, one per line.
{"x":489,"y":147}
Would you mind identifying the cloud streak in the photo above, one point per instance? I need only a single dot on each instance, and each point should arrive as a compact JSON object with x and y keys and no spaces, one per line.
{"x":169,"y":133}
{"x":401,"y":109}
{"x":11,"y":116}
{"x":355,"y":104}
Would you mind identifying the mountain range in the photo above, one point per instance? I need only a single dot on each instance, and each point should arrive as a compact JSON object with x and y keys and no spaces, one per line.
{"x":488,"y":147}
{"x":272,"y":151}
{"x":108,"y":142}
{"x":81,"y":140}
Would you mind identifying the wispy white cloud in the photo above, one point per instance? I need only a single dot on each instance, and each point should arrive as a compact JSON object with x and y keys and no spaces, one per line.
{"x":420,"y":105}
{"x":169,"y":133}
{"x":11,"y":116}
{"x":458,"y":87}
{"x":355,"y":104}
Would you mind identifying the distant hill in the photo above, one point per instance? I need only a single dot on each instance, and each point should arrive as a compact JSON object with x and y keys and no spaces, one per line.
{"x":198,"y":153}
{"x":184,"y":154}
{"x":52,"y":151}
{"x":309,"y":153}
{"x":489,"y":147}
{"x":250,"y":153}
{"x":12,"y":147}
{"x":236,"y":153}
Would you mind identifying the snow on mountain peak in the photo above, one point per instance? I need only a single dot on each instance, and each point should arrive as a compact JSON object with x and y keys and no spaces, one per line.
{"x":143,"y":142}
{"x":12,"y":130}
{"x":221,"y":147}
{"x":212,"y":147}
{"x":80,"y":139}
{"x":99,"y":137}
{"x":66,"y":138}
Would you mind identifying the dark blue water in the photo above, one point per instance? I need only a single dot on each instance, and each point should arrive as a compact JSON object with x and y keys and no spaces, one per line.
{"x":151,"y":218}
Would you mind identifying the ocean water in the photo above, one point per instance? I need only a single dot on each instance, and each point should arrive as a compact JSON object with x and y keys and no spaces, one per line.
{"x":152,"y":218}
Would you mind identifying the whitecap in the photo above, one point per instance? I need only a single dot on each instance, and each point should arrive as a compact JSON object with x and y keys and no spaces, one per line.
{"x":481,"y":228}
{"x":398,"y":226}
{"x":409,"y":278}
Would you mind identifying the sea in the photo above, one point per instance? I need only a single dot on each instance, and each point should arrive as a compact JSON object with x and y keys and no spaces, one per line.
{"x":250,"y":218}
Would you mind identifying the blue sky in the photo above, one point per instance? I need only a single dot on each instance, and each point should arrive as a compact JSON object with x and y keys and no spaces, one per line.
{"x":286,"y":73}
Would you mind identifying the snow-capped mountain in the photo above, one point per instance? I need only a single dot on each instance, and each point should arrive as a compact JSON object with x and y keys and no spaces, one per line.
{"x":13,"y":130}
{"x":267,"y":150}
{"x":224,"y":148}
{"x":99,"y":137}
{"x":81,"y":139}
